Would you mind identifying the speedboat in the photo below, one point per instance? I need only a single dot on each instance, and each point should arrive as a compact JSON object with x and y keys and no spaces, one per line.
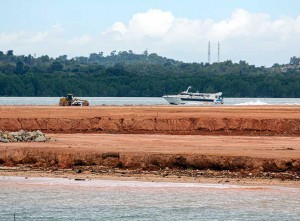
{"x":186,"y":97}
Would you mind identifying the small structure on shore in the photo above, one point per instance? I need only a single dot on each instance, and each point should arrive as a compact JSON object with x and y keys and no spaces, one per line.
{"x":71,"y":100}
{"x":22,"y":136}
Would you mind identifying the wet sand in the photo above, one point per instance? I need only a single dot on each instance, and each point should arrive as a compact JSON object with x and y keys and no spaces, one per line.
{"x":125,"y":175}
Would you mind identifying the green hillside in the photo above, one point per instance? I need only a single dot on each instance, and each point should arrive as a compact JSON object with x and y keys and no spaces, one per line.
{"x":129,"y":74}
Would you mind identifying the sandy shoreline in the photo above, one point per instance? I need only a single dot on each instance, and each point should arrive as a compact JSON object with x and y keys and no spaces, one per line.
{"x":125,"y":175}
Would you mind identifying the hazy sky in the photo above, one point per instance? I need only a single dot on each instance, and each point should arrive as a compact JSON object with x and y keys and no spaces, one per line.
{"x":261,"y":32}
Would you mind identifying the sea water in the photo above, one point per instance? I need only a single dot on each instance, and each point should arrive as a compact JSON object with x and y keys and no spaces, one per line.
{"x":97,"y":101}
{"x":65,"y":199}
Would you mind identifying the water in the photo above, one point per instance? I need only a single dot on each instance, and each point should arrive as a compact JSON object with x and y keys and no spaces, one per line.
{"x":64,"y":199}
{"x":95,"y":101}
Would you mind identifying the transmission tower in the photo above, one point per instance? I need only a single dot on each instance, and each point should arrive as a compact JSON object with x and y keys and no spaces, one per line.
{"x":208,"y":52}
{"x":218,"y":52}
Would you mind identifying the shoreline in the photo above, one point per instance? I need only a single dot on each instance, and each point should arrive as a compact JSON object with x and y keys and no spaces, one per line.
{"x":150,"y":176}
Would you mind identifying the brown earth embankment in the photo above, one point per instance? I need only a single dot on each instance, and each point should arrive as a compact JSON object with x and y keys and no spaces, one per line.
{"x":256,"y":120}
{"x":263,"y":139}
{"x":153,"y":152}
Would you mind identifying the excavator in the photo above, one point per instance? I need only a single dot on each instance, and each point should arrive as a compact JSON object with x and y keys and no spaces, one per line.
{"x":71,"y":100}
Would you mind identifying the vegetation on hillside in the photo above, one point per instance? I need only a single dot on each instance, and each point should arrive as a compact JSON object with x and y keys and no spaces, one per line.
{"x":129,"y":74}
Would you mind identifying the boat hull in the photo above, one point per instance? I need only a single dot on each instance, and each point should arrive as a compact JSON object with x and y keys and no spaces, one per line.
{"x":175,"y":100}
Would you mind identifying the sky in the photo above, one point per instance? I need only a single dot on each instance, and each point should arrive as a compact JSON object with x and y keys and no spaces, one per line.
{"x":261,"y":32}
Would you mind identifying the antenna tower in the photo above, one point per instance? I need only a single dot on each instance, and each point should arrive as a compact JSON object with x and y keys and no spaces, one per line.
{"x":209,"y":52}
{"x":218,"y":52}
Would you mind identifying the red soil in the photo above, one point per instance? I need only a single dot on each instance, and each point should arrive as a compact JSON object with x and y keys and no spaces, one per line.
{"x":139,"y":150}
{"x":259,"y":120}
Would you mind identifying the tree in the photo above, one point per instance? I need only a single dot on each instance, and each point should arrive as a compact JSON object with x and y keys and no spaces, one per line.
{"x":20,"y":68}
{"x":113,"y":53}
{"x":45,"y":58}
{"x":294,"y":61}
{"x":145,"y":53}
{"x":62,"y":58}
{"x":94,"y":57}
{"x":56,"y":66}
{"x":10,"y":53}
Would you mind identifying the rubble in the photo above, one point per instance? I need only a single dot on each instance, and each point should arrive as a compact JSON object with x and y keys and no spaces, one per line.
{"x":22,"y":136}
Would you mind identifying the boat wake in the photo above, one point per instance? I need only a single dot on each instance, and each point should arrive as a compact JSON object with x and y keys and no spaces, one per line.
{"x":257,"y":102}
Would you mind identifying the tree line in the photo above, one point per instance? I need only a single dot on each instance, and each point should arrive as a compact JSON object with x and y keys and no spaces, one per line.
{"x":129,"y":74}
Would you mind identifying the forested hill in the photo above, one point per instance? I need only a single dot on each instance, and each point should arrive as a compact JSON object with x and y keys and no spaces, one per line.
{"x":128,"y":74}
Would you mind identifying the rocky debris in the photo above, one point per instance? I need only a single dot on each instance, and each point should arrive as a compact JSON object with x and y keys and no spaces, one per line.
{"x":40,"y":139}
{"x":22,"y":136}
{"x":3,"y":140}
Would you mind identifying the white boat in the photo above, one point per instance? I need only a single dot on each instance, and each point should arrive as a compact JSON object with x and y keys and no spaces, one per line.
{"x":186,"y":97}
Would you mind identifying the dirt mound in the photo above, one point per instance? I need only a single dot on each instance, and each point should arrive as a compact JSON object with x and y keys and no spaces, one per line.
{"x":160,"y":120}
{"x":71,"y":159}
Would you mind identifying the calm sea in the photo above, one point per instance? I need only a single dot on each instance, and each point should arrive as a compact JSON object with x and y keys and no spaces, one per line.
{"x":94,"y":101}
{"x":64,"y":199}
